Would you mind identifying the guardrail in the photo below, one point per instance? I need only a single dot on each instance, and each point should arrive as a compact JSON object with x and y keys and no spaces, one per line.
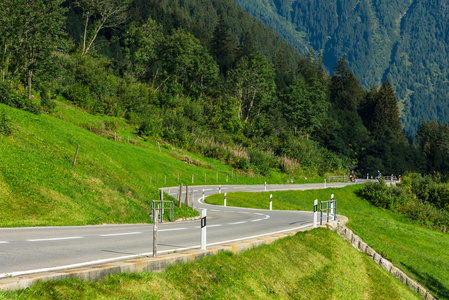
{"x":343,"y":178}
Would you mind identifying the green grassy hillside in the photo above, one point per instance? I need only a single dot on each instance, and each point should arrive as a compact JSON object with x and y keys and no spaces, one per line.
{"x":420,"y":252}
{"x":310,"y":265}
{"x":113,"y":180}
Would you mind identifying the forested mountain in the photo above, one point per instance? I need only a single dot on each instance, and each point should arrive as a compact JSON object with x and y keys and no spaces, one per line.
{"x":406,"y":41}
{"x":206,"y":76}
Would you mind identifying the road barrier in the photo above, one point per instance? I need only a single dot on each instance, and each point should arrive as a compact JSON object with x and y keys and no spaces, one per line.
{"x":330,"y":209}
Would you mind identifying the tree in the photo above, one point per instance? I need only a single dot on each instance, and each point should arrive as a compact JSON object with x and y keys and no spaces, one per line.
{"x":32,"y":31}
{"x":252,"y":83}
{"x":222,"y":46}
{"x":142,"y":42}
{"x":187,"y":64}
{"x":98,"y":15}
{"x":304,"y":105}
{"x":386,"y":114}
{"x":345,"y":90}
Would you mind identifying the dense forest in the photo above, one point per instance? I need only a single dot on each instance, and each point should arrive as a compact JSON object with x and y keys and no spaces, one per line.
{"x":205,"y":76}
{"x":405,"y":41}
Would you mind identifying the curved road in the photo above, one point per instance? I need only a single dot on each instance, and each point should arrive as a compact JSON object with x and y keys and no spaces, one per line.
{"x":40,"y":249}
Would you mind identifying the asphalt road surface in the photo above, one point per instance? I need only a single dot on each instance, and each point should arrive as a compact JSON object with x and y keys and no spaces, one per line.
{"x":39,"y":249}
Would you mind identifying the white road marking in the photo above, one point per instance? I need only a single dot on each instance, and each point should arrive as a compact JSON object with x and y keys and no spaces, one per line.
{"x":124,"y":233}
{"x":4,"y":242}
{"x":56,"y":239}
{"x":236,"y":223}
{"x":257,"y":220}
{"x":173,"y":229}
{"x":216,"y":225}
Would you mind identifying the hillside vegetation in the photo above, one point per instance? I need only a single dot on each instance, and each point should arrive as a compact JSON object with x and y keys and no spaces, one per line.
{"x":405,"y":41}
{"x":310,"y":265}
{"x":402,"y":238}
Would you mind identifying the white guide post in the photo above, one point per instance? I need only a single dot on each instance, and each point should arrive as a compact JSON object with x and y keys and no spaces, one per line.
{"x":271,"y":202}
{"x":315,"y":213}
{"x":203,"y":229}
{"x":225,"y":200}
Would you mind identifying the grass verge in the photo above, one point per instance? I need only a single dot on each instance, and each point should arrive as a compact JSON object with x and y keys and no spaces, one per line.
{"x":420,"y":252}
{"x":310,"y":265}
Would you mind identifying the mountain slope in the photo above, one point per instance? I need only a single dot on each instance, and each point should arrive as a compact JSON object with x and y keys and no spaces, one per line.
{"x":406,"y":41}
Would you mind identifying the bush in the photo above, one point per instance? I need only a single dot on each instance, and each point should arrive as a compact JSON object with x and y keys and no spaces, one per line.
{"x":5,"y":124}
{"x":17,"y":99}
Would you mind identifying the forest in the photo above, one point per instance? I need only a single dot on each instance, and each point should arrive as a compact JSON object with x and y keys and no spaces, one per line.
{"x":405,"y":41}
{"x":206,"y":76}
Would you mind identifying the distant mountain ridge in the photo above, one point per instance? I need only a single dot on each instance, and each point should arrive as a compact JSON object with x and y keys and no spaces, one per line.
{"x":406,"y":41}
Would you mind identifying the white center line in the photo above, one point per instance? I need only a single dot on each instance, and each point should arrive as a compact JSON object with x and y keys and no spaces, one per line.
{"x":56,"y":239}
{"x":124,"y":233}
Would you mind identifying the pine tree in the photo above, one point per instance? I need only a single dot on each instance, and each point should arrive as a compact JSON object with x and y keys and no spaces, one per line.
{"x":223,"y":46}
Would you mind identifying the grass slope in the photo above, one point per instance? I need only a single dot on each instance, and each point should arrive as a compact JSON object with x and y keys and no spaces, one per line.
{"x":310,"y":265}
{"x":420,"y":252}
{"x":113,"y":181}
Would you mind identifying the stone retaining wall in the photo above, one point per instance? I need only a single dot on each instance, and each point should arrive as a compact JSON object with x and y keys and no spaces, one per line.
{"x":360,"y":245}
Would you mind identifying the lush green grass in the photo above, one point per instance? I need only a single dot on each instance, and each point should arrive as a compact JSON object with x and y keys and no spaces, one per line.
{"x":421,"y":252}
{"x":112,"y":182}
{"x":309,"y":265}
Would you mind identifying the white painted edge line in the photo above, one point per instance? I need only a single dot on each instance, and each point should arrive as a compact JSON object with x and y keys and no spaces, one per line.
{"x":257,"y":220}
{"x":4,"y":242}
{"x":118,"y":234}
{"x":101,"y":261}
{"x":56,"y":239}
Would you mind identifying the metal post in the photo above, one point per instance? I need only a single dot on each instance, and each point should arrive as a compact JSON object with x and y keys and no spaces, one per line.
{"x":271,"y":202}
{"x":162,"y":211}
{"x":321,"y":213}
{"x":203,"y":229}
{"x":155,"y":234}
{"x":225,"y":200}
{"x":315,"y":212}
{"x":152,"y":209}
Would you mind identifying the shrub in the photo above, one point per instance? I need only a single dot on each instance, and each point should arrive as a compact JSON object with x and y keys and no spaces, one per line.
{"x":5,"y":124}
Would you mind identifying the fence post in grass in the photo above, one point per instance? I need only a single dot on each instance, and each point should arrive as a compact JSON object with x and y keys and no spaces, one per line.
{"x":203,"y":229}
{"x":165,"y":178}
{"x":76,"y":155}
{"x":224,"y":200}
{"x":226,"y":178}
{"x":180,"y":195}
{"x":159,"y":146}
{"x":271,"y":202}
{"x":155,"y":233}
{"x":128,"y":139}
{"x":315,"y":213}
{"x":217,"y":177}
{"x":192,"y":178}
{"x":187,"y":195}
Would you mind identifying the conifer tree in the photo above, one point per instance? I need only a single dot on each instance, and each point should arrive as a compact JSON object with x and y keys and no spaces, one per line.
{"x":223,"y":46}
